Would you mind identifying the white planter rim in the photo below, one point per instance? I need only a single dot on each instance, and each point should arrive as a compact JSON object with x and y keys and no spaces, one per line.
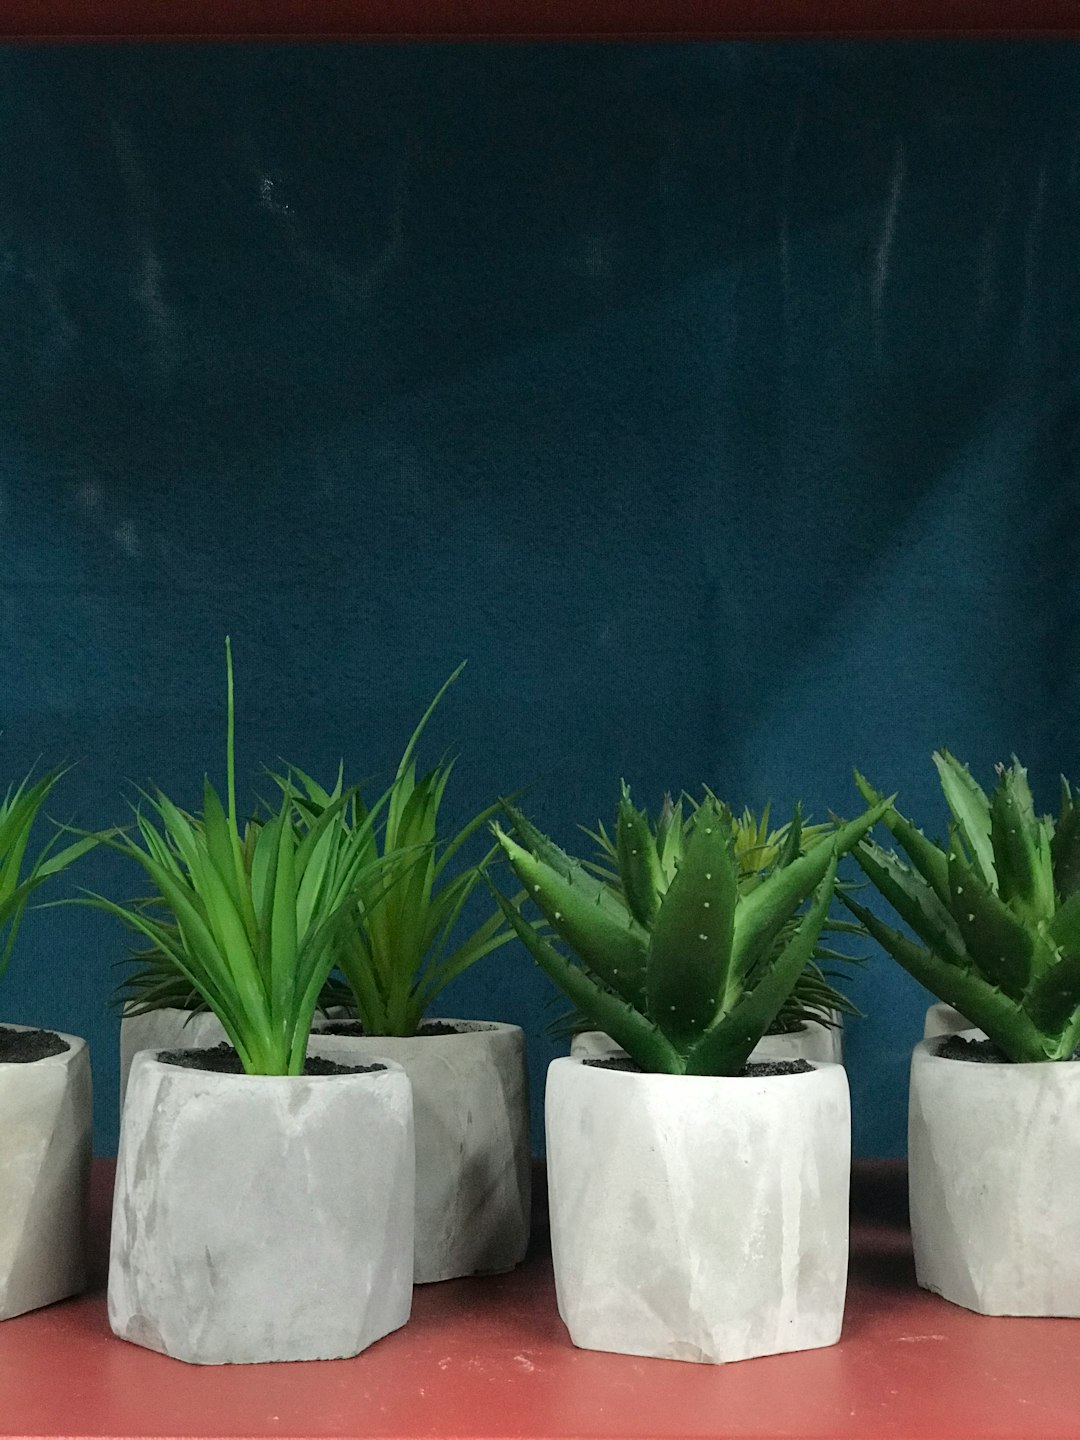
{"x":370,"y":1070}
{"x":928,"y":1051}
{"x":595,"y":1064}
{"x":74,"y":1044}
{"x":465,"y":1031}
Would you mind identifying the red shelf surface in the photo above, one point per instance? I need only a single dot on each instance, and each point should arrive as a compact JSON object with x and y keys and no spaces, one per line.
{"x":490,"y":1358}
{"x":528,"y":19}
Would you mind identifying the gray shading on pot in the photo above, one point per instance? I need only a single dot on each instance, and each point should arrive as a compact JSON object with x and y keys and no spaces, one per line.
{"x":699,"y":1218}
{"x":473,"y":1161}
{"x":994,"y":1177}
{"x":261,"y":1218}
{"x":45,"y":1119}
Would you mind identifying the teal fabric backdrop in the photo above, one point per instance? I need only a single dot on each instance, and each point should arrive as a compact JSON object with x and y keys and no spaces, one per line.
{"x":718,"y":403}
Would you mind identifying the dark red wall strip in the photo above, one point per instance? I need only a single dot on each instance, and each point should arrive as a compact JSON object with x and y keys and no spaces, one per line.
{"x":529,"y":19}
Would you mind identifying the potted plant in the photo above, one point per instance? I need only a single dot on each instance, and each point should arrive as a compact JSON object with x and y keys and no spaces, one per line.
{"x":698,"y":1206}
{"x":249,"y":1220}
{"x":993,"y":1147}
{"x":809,"y":1024}
{"x":45,"y":1109}
{"x":470,"y":1092}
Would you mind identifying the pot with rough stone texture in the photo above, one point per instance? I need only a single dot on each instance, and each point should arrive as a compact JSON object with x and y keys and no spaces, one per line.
{"x":812,"y":1042}
{"x":473,"y":1161}
{"x":165,"y":1029}
{"x":942,"y":1019}
{"x":262,"y":1218}
{"x":699,"y":1217}
{"x":994,"y":1177}
{"x":45,"y":1122}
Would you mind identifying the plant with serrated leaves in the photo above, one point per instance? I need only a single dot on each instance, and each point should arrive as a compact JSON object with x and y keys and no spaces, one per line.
{"x":398,"y":954}
{"x":684,"y":973}
{"x":758,"y":851}
{"x":997,"y":910}
{"x":20,"y":810}
{"x":250,"y":922}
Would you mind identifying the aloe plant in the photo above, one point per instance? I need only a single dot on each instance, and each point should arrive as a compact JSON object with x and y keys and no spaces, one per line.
{"x":248,"y":920}
{"x":997,"y":909}
{"x":758,"y":849}
{"x":401,"y":948}
{"x":683,"y":972}
{"x":20,"y":810}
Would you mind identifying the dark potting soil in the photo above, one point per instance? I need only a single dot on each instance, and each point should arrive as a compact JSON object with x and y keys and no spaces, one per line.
{"x":977,"y":1052}
{"x":753,"y":1071}
{"x":429,"y":1027}
{"x":20,"y":1047}
{"x":222,"y":1059}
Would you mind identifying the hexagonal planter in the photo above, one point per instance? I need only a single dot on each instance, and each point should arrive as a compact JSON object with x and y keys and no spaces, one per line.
{"x":473,"y":1160}
{"x":45,"y":1121}
{"x":994,"y":1176}
{"x":262,"y":1218}
{"x":698,"y":1217}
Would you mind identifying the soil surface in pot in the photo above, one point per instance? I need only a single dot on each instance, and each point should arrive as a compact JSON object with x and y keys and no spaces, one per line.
{"x":20,"y":1047}
{"x":755,"y":1071}
{"x":223,"y":1060}
{"x":429,"y":1027}
{"x":978,"y":1052}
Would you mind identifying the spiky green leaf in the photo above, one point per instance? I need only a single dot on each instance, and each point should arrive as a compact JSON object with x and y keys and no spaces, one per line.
{"x":971,"y":810}
{"x":689,"y":977}
{"x":640,"y":870}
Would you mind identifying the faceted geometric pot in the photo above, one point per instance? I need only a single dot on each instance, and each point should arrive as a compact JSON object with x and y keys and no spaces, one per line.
{"x":697,"y":1217}
{"x":812,"y":1042}
{"x":994,"y":1178}
{"x":473,"y":1161}
{"x":942,"y":1019}
{"x":262,"y":1217}
{"x":45,"y":1129}
{"x":167,"y":1029}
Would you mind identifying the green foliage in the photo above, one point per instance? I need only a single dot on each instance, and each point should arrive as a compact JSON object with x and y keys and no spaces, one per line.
{"x":997,"y":910}
{"x":684,"y":967}
{"x":397,"y":954}
{"x":20,"y":876}
{"x":250,"y":921}
{"x":658,"y":848}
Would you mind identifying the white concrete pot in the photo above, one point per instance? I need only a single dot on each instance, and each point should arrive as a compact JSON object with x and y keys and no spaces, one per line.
{"x":942,"y":1019}
{"x":167,"y":1029}
{"x":473,"y":1160}
{"x":994,"y":1177}
{"x":699,"y":1218}
{"x":262,"y":1217}
{"x":45,"y":1135}
{"x":812,"y":1042}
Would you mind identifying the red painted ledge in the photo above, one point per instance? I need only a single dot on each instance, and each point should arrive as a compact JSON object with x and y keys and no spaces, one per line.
{"x":489,"y":1359}
{"x":529,"y":19}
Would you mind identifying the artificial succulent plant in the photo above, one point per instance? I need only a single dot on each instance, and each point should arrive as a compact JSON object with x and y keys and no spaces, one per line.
{"x":758,"y":850}
{"x":997,"y":909}
{"x":678,"y":963}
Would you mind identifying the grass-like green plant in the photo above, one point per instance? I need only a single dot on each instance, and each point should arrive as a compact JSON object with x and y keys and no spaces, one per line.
{"x":758,"y":850}
{"x":21,"y":875}
{"x":682,"y":970}
{"x":997,"y":909}
{"x":399,"y":952}
{"x":249,"y":921}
